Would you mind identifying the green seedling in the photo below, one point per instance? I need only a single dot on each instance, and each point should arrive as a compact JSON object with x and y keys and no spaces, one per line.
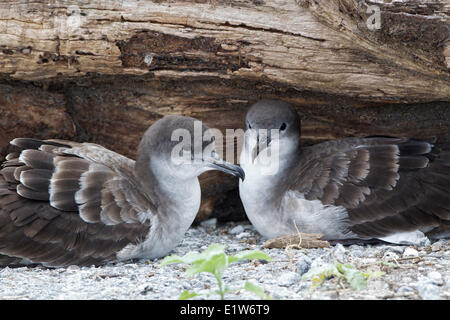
{"x":215,"y":261}
{"x":354,"y":277}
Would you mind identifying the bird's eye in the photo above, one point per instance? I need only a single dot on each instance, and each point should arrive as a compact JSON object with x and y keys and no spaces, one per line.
{"x":249,"y":126}
{"x":283,"y":127}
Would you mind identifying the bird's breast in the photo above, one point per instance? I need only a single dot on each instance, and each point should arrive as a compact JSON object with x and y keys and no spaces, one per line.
{"x":275,"y":215}
{"x":167,"y":226}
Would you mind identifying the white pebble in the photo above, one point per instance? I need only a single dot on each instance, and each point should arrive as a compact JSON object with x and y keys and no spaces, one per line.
{"x":73,"y":268}
{"x":339,"y":252}
{"x":243,"y":235}
{"x":148,"y":58}
{"x":435,"y":277}
{"x":405,"y":289}
{"x":389,"y":255}
{"x":236,"y":230}
{"x":428,"y":291}
{"x":410,"y":252}
{"x":288,"y":279}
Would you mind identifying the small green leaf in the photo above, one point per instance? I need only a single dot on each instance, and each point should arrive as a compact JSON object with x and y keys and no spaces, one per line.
{"x":250,"y":255}
{"x":318,"y":274}
{"x":172,"y":259}
{"x":388,"y":264}
{"x":258,"y":291}
{"x":353,"y":276}
{"x":213,"y":250}
{"x":214,"y":265}
{"x":214,"y":260}
{"x":186,"y":294}
{"x":373,"y":274}
{"x":194,"y":257}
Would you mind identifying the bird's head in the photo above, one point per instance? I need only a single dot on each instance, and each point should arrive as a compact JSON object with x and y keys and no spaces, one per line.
{"x":271,"y":121}
{"x":185,"y":147}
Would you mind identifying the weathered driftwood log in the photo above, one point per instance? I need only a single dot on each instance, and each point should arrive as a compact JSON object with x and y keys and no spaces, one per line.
{"x":103,"y":71}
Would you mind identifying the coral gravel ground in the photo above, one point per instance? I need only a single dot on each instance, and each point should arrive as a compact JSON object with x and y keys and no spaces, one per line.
{"x":410,"y":272}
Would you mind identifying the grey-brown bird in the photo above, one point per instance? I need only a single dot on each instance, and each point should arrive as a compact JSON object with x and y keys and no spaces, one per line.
{"x":64,"y":203}
{"x":393,"y":189}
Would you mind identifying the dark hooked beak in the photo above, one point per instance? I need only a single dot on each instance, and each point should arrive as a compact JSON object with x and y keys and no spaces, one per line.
{"x":219,"y":164}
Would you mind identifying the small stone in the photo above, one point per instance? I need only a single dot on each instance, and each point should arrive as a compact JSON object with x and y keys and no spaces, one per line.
{"x":210,"y":223}
{"x":447,"y":282}
{"x":318,"y":262}
{"x":73,"y":268}
{"x":421,"y":268}
{"x":428,"y":290}
{"x":243,"y":235}
{"x":407,"y":280}
{"x":236,"y":230}
{"x":378,"y":285}
{"x":303,"y":286}
{"x":410,"y":252}
{"x":396,"y":249}
{"x":356,"y":253}
{"x":146,"y":290}
{"x":339,"y":252}
{"x":320,"y":296}
{"x":405,"y":289}
{"x":303,"y":264}
{"x":436,"y":246}
{"x":276,"y":296}
{"x":148,"y":58}
{"x":249,"y":227}
{"x":435,"y":277}
{"x":389,"y":255}
{"x":288,"y":279}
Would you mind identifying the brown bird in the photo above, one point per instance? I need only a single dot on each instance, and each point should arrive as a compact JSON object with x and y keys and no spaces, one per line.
{"x":64,"y":203}
{"x":393,"y":189}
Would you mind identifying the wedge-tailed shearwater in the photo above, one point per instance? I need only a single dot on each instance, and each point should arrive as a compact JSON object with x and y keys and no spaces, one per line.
{"x":64,"y":202}
{"x":393,"y":189}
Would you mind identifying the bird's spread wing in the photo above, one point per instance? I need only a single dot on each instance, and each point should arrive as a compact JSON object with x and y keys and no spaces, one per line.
{"x":386,"y":184}
{"x":67,"y":203}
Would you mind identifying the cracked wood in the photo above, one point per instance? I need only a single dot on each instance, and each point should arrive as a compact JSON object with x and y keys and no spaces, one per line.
{"x":322,"y":46}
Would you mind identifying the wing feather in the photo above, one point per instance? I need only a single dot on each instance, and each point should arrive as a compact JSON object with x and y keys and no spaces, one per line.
{"x":61,"y":204}
{"x":386,"y":184}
